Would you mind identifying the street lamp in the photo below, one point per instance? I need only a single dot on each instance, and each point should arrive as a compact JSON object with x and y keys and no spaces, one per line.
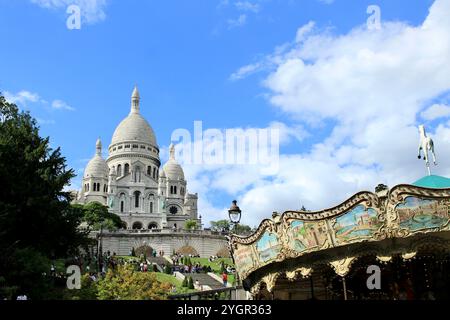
{"x":234,"y":213}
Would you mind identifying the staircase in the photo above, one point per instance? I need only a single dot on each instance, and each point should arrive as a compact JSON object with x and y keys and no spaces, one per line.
{"x":159,"y":261}
{"x":205,"y":280}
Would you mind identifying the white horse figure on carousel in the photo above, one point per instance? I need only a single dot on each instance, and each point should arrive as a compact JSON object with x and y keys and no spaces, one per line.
{"x":426,"y":144}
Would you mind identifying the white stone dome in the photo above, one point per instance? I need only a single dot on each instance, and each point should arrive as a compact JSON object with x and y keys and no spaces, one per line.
{"x":134,"y":128}
{"x":97,"y":167}
{"x":172,"y":168}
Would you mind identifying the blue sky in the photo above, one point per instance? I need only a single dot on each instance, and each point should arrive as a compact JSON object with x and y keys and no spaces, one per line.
{"x":328,"y":88}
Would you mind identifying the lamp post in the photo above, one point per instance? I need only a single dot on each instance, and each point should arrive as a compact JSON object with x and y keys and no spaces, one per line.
{"x":100,"y":249}
{"x":234,"y":214}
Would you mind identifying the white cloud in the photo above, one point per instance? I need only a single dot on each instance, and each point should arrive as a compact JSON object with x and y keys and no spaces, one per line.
{"x":247,"y":6}
{"x":239,"y":22}
{"x":22,"y":97}
{"x":45,"y":121}
{"x":326,"y":1}
{"x":373,"y":85}
{"x":436,"y":111}
{"x":92,"y":11}
{"x":304,"y":31}
{"x":289,"y":133}
{"x":245,"y":71}
{"x":61,"y":105}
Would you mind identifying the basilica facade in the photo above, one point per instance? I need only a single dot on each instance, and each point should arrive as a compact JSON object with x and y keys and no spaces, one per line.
{"x":131,"y":181}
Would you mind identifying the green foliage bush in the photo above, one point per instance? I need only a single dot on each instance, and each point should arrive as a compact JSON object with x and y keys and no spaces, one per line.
{"x":190,"y":283}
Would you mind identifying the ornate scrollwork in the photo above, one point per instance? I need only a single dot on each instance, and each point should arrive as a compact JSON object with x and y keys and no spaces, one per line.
{"x":370,"y":199}
{"x":384,"y":258}
{"x":342,"y":267}
{"x":408,"y":255}
{"x":270,"y":280}
{"x":303,"y":271}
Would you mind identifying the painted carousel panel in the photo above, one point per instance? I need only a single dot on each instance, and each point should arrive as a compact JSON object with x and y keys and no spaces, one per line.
{"x":418,"y":214}
{"x":244,"y":258}
{"x":360,"y":223}
{"x":306,"y":236}
{"x":268,"y":247}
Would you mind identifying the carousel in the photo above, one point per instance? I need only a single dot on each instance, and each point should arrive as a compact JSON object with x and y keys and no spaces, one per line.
{"x":391,"y":244}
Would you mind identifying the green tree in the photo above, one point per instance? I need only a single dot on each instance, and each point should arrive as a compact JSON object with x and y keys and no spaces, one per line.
{"x":97,"y":216}
{"x":168,"y":269}
{"x":190,"y":283}
{"x":220,"y":225}
{"x":191,"y":224}
{"x":242,"y":229}
{"x":36,"y":218}
{"x":127,"y":284}
{"x":224,"y":225}
{"x":88,"y":290}
{"x":184,"y":284}
{"x":222,"y":267}
{"x":381,"y":187}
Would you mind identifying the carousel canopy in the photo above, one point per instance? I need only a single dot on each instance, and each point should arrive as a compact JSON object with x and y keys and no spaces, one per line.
{"x":433,"y":182}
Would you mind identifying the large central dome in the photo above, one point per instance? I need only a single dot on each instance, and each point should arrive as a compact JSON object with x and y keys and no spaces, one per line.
{"x":134,"y":128}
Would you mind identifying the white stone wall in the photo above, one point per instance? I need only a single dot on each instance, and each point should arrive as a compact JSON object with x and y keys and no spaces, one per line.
{"x":205,"y":245}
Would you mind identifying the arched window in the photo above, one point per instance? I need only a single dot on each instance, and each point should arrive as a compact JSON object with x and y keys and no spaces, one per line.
{"x":137,"y":225}
{"x":119,"y":170}
{"x":137,"y":195}
{"x":175,"y":189}
{"x":137,"y":174}
{"x":121,"y":206}
{"x":153,"y":225}
{"x":127,"y":169}
{"x":154,"y":173}
{"x":88,"y":187}
{"x":171,"y":189}
{"x":149,"y":170}
{"x":151,"y":207}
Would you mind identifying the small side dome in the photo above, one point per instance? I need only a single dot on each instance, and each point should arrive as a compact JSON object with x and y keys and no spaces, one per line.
{"x":172,"y":168}
{"x":97,"y":166}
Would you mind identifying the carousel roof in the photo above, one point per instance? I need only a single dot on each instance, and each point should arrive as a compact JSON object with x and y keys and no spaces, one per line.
{"x":433,"y":182}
